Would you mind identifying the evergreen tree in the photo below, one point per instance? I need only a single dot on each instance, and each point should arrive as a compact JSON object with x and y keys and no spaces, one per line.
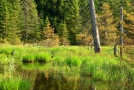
{"x":129,"y":26}
{"x":72,"y":19}
{"x":48,"y":34}
{"x":31,"y":21}
{"x":4,"y":15}
{"x":107,"y":26}
{"x":63,"y":34}
{"x":15,"y":18}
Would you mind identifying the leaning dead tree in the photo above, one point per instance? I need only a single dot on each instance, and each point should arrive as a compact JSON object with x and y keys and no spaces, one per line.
{"x":95,"y":32}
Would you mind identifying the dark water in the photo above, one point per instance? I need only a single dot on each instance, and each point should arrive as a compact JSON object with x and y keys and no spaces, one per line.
{"x":44,"y":77}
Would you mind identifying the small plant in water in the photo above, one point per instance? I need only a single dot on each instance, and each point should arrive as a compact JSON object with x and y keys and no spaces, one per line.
{"x":15,"y":84}
{"x":73,"y":61}
{"x":43,"y":57}
{"x":29,"y":57}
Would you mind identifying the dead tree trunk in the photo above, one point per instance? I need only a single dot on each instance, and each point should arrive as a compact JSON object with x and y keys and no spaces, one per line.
{"x":115,"y":50}
{"x":121,"y":27}
{"x":95,"y":32}
{"x":121,"y":33}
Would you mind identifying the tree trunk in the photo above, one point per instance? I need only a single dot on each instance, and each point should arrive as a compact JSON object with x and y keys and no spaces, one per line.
{"x":115,"y":50}
{"x":121,"y":33}
{"x":121,"y":27}
{"x":95,"y":32}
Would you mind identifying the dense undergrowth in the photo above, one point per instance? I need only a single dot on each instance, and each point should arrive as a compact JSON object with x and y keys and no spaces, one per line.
{"x":70,"y":62}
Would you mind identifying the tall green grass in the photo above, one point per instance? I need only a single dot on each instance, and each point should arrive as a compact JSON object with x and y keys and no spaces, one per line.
{"x":29,"y":57}
{"x":37,"y":57}
{"x":71,"y":61}
{"x":43,"y":57}
{"x":5,"y":59}
{"x":15,"y":84}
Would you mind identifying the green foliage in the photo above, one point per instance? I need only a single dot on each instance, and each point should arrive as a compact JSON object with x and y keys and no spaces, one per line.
{"x":63,"y":34}
{"x":36,"y":57}
{"x":4,"y":17}
{"x":24,"y":85}
{"x":4,"y":59}
{"x":25,"y":21}
{"x":73,"y":20}
{"x":43,"y":57}
{"x":29,"y":57}
{"x":15,"y":84}
{"x":107,"y":26}
{"x":30,"y":32}
{"x":10,"y":21}
{"x":73,"y":61}
{"x":129,"y":26}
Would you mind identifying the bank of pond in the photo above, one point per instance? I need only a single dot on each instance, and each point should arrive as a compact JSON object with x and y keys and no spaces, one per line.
{"x":63,"y":68}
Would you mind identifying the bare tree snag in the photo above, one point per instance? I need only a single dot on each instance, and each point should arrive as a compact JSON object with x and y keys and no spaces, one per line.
{"x":95,"y":32}
{"x":121,"y":27}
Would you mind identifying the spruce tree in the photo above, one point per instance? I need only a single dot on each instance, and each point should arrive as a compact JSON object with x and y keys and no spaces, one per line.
{"x":47,"y":33}
{"x":107,"y":26}
{"x":14,"y":21}
{"x":4,"y":15}
{"x":31,"y":22}
{"x":63,"y":34}
{"x":72,"y":19}
{"x":129,"y":26}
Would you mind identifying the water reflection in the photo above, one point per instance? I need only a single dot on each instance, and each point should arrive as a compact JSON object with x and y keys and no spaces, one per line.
{"x":48,"y":77}
{"x":50,"y":83}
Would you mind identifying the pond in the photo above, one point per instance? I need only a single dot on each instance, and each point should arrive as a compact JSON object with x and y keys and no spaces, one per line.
{"x":51,"y":77}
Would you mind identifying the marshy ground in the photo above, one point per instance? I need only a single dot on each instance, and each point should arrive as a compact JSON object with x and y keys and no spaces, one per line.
{"x":65,"y":68}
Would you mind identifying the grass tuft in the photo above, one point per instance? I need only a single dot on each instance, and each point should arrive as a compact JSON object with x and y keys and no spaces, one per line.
{"x":15,"y":84}
{"x":73,"y":61}
{"x":43,"y":57}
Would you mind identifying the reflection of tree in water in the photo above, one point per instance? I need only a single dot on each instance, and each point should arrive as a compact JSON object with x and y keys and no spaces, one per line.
{"x":60,"y":83}
{"x":51,"y":83}
{"x":66,"y":78}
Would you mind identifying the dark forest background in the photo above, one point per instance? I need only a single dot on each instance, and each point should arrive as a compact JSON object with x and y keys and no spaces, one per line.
{"x":64,"y":22}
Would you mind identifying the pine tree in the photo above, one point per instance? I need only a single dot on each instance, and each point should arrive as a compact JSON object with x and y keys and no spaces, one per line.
{"x":48,"y":31}
{"x":3,"y":20}
{"x":31,"y":22}
{"x":107,"y":26}
{"x":63,"y":34}
{"x":72,"y":19}
{"x":14,"y":21}
{"x":47,"y":34}
{"x":129,"y":26}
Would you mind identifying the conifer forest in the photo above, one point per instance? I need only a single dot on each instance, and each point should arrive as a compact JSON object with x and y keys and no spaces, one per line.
{"x":66,"y":44}
{"x":64,"y":22}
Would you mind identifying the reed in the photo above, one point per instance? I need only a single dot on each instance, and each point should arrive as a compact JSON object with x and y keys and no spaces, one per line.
{"x":4,"y":59}
{"x":6,"y":50}
{"x":73,"y":61}
{"x":15,"y":84}
{"x":43,"y":57}
{"x":29,"y":57}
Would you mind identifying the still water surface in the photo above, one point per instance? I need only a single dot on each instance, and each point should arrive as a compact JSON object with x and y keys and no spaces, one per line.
{"x":47,"y":77}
